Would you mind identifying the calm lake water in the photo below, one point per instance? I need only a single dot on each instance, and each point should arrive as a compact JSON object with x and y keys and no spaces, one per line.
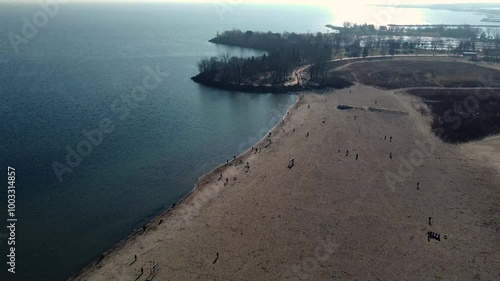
{"x":80,"y":69}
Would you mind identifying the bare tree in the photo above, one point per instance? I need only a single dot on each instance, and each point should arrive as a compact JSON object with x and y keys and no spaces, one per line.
{"x":224,"y":58}
{"x":489,"y":32}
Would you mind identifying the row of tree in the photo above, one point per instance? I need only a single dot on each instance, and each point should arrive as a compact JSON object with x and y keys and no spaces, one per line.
{"x":235,"y":70}
{"x":285,"y":52}
{"x":463,"y":31}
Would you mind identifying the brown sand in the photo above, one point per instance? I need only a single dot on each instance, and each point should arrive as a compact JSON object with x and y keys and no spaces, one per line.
{"x":332,"y":217}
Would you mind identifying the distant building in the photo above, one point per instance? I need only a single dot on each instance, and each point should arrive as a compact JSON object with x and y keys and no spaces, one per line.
{"x":469,"y":54}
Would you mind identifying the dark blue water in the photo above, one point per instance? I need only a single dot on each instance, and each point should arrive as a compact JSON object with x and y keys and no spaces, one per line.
{"x":80,"y":69}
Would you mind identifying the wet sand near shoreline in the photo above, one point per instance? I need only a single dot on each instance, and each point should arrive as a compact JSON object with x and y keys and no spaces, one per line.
{"x":332,"y":216}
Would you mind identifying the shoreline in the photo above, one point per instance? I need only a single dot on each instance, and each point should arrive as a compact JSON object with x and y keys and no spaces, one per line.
{"x":163,"y":215}
{"x":335,"y":213}
{"x":276,"y":89}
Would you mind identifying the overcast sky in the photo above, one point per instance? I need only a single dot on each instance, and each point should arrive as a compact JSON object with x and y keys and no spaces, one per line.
{"x":321,"y":2}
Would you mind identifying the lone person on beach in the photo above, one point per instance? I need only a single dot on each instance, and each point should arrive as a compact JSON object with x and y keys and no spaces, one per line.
{"x":390,"y":139}
{"x":291,"y":163}
{"x":307,"y":135}
{"x":356,"y":156}
{"x":135,"y":259}
{"x":418,"y":185}
{"x":390,"y":155}
{"x":347,"y":153}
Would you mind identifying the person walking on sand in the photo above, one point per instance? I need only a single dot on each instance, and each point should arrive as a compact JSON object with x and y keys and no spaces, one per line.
{"x":307,"y":135}
{"x":390,"y":139}
{"x":390,"y":155}
{"x":291,"y":163}
{"x":347,"y":153}
{"x":356,"y":156}
{"x":220,"y":177}
{"x":135,"y":259}
{"x":418,"y":185}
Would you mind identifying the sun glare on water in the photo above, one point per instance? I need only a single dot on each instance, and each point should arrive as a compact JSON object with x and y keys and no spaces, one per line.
{"x":361,"y":13}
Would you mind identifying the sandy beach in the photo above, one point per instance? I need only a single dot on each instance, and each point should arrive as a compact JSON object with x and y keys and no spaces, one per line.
{"x":366,"y":188}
